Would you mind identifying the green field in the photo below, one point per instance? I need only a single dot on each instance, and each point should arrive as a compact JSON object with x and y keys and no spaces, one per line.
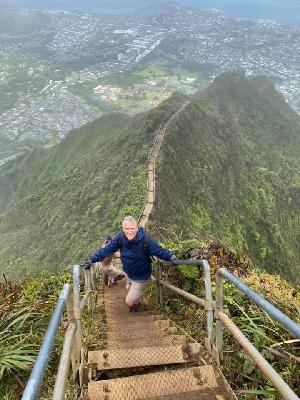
{"x":143,"y":88}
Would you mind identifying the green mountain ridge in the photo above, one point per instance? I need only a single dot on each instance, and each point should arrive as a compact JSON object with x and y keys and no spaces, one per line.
{"x":58,"y":203}
{"x":229,"y":168}
{"x":238,"y":148}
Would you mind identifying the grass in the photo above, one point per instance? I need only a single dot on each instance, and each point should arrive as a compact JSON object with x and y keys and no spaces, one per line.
{"x":135,"y":81}
{"x":265,"y":333}
{"x":24,"y":317}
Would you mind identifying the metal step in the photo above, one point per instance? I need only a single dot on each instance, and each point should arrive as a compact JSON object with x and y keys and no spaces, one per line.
{"x":122,"y":310}
{"x":138,"y":357}
{"x":209,"y":394}
{"x":134,"y":317}
{"x":138,"y":326}
{"x":150,"y":332}
{"x":146,"y":342}
{"x":178,"y":384}
{"x":124,"y":314}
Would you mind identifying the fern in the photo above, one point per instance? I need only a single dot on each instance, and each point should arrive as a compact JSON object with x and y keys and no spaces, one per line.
{"x":189,"y":271}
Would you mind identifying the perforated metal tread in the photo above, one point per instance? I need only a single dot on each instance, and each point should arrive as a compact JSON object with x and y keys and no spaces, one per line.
{"x":156,"y":385}
{"x":146,"y":342}
{"x":209,"y":394}
{"x":137,"y":357}
{"x":139,"y":334}
{"x":138,"y":326}
{"x":133,"y":317}
{"x":123,"y":311}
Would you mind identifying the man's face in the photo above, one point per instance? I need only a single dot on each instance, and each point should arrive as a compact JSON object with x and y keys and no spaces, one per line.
{"x":130,"y":230}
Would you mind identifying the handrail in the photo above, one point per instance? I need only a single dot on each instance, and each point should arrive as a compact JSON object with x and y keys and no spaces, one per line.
{"x":267,"y":370}
{"x":207,"y":303}
{"x":222,"y":318}
{"x":33,"y":386}
{"x":274,"y":312}
{"x":72,"y":347}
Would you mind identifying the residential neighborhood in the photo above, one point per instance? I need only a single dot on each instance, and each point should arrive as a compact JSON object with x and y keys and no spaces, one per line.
{"x":75,"y":48}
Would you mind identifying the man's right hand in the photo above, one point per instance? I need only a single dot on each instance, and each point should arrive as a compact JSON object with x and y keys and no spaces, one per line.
{"x":87,"y":263}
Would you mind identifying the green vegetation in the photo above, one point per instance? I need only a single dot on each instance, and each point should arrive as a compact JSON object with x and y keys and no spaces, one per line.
{"x":63,"y":200}
{"x":31,"y":304}
{"x":230,"y":169}
{"x":26,"y":306}
{"x":136,"y":91}
{"x":269,"y":337}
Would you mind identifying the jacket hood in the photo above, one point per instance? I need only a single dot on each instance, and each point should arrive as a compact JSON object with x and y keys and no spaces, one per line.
{"x":140,"y":235}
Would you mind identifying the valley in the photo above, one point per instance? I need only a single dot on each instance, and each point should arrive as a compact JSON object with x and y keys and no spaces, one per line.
{"x":62,"y":69}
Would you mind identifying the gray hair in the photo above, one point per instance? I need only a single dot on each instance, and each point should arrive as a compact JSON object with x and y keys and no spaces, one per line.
{"x":129,"y":218}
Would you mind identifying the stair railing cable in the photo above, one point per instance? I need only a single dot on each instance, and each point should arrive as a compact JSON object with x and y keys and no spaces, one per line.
{"x":72,"y":352}
{"x":222,"y":319}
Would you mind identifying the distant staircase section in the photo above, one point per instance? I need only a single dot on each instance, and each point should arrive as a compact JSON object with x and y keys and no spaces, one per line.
{"x":144,"y":357}
{"x":151,"y":167}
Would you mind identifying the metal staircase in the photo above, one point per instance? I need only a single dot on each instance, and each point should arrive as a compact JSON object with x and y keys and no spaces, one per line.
{"x":163,"y":363}
{"x":145,"y":356}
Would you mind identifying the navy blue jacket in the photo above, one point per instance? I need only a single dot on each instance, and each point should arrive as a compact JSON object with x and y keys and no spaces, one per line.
{"x":135,"y":259}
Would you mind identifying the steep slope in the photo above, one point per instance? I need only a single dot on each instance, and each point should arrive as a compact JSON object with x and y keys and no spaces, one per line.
{"x":59,"y":202}
{"x":230,"y":168}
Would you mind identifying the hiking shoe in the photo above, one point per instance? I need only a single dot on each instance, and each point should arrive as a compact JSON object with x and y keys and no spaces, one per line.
{"x":136,"y":308}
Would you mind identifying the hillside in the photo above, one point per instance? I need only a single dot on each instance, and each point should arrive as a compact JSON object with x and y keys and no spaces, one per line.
{"x":58,"y":203}
{"x":230,"y":169}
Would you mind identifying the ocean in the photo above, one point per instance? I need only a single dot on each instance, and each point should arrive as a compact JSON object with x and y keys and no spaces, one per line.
{"x":285,"y":11}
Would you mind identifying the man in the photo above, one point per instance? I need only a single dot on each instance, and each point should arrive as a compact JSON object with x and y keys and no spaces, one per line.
{"x":135,"y":247}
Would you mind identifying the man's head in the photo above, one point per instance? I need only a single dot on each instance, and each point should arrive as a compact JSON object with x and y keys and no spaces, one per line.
{"x":130,"y":227}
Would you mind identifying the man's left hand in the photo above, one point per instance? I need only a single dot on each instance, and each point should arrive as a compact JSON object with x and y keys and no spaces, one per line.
{"x":173,"y":259}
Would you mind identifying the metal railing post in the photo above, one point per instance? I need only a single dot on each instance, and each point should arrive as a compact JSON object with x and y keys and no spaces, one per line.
{"x":156,"y":275}
{"x":64,"y":364}
{"x":160,"y":287}
{"x":208,"y":305}
{"x":219,"y":323}
{"x":77,"y":313}
{"x":75,"y":361}
{"x":88,"y":287}
{"x":208,"y":297}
